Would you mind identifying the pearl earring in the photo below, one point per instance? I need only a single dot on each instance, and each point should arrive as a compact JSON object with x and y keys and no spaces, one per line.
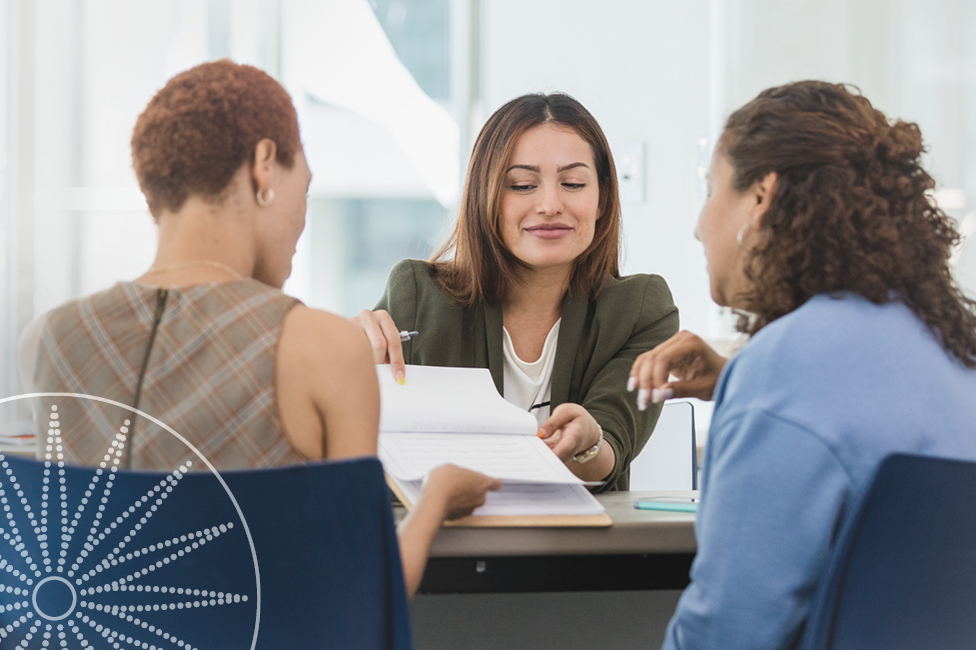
{"x":265,"y":201}
{"x":742,"y":233}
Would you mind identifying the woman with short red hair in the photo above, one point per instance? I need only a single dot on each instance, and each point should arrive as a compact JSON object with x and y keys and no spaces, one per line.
{"x":205,"y":340}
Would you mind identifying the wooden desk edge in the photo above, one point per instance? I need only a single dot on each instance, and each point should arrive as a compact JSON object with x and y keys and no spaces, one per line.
{"x":634,"y":532}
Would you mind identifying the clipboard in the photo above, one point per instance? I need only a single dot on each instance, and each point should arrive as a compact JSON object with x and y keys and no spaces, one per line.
{"x":512,"y":521}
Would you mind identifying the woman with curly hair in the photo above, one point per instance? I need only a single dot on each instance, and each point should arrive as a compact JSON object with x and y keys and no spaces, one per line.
{"x":819,"y":225}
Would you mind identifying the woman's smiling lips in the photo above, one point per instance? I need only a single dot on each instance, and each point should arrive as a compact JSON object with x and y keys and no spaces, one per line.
{"x":549,"y":230}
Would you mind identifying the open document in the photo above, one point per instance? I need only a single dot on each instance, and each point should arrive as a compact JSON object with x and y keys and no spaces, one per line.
{"x":455,"y":415}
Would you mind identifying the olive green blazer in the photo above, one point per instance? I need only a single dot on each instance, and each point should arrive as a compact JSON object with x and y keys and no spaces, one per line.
{"x":598,"y":342}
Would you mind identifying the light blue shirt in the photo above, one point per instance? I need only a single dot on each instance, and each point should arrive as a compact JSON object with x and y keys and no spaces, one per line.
{"x":804,"y":415}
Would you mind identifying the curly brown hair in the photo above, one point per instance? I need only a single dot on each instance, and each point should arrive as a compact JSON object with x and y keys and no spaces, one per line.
{"x":851,"y":211}
{"x":474,"y":266}
{"x":203,"y":125}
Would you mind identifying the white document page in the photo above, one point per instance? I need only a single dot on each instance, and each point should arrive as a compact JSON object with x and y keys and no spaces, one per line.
{"x":540,"y":499}
{"x":455,"y":415}
{"x":455,"y":400}
{"x":523,"y":459}
{"x":518,"y":499}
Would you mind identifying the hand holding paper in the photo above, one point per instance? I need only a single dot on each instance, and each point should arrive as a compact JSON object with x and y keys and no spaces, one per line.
{"x":455,"y":415}
{"x":462,"y":489}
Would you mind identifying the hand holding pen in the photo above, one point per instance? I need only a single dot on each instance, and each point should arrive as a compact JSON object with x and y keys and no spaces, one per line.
{"x":385,"y":339}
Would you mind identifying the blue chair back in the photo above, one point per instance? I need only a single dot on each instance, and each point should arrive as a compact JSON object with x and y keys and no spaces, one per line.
{"x":298,"y":557}
{"x":903,"y":575}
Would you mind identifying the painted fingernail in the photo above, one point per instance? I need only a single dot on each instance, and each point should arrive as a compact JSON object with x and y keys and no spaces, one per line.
{"x":401,"y":377}
{"x":541,"y":433}
{"x":642,"y":399}
{"x":661,"y":394}
{"x":631,"y":384}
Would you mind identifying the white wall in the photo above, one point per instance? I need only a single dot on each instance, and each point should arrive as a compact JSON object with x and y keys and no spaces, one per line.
{"x":97,"y":68}
{"x":771,"y":42}
{"x":914,"y":59}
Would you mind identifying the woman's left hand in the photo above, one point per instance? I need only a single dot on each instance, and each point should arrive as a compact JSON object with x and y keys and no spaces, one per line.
{"x":569,"y":431}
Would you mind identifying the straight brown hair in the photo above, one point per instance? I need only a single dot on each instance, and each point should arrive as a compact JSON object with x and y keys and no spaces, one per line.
{"x":473,"y":265}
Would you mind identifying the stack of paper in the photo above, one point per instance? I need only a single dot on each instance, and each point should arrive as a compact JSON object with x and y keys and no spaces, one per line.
{"x":455,"y":415}
{"x":18,"y":437}
{"x":19,"y":443}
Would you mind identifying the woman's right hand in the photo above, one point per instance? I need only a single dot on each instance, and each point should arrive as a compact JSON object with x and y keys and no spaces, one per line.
{"x":459,"y":490}
{"x":684,"y":355}
{"x":384,"y":338}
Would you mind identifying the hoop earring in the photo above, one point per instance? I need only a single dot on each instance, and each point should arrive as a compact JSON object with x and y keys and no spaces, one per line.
{"x":262,"y":201}
{"x":741,"y":234}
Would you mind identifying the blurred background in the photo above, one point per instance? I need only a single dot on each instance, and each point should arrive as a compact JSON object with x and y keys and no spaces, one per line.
{"x":391,"y":94}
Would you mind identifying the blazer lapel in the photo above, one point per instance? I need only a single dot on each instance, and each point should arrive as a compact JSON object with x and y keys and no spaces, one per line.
{"x":496,"y":360}
{"x":570,"y":332}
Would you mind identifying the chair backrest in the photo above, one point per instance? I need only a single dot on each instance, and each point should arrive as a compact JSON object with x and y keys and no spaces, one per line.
{"x":298,"y":557}
{"x":669,"y":460}
{"x":903,"y":574}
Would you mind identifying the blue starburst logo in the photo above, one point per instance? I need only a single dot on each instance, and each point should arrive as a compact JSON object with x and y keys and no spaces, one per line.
{"x":95,"y":558}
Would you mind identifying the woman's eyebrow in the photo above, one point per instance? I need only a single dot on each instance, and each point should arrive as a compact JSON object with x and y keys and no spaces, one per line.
{"x":533,"y":168}
{"x":572,"y":166}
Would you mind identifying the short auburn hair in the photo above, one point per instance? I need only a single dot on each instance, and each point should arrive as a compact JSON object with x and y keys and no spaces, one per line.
{"x":474,"y":266}
{"x":203,"y":125}
{"x":851,"y":211}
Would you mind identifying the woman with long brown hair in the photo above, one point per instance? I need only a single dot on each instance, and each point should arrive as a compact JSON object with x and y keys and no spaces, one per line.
{"x":528,"y":286}
{"x":820,"y":228}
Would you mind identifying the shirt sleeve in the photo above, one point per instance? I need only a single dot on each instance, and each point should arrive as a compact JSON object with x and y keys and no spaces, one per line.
{"x":625,"y":428}
{"x":400,"y":300}
{"x":774,"y":495}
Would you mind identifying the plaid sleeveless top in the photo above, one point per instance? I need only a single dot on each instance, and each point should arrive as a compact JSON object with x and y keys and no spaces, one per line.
{"x":210,"y":375}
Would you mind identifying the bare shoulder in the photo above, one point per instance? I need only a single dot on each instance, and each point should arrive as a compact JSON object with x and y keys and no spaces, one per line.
{"x":317,"y":334}
{"x":327,"y":387}
{"x":324,"y":350}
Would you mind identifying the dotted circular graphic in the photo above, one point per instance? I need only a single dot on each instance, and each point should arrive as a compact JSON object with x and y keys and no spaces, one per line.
{"x":54,"y":616}
{"x":119,"y":560}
